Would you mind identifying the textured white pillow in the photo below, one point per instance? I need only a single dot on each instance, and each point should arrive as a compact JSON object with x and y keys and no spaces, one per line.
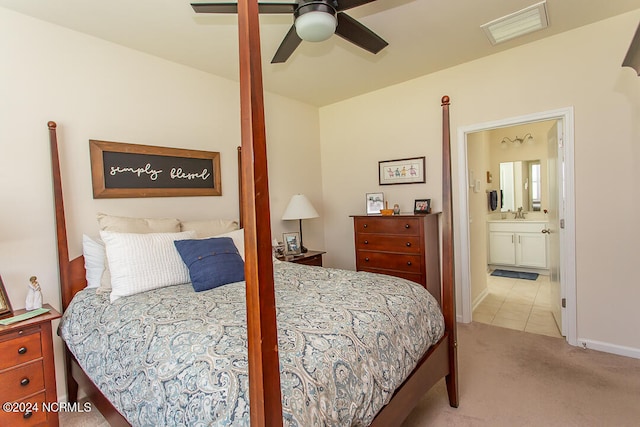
{"x":94,"y":255}
{"x":238,"y":239}
{"x":141,"y":262}
{"x":209,"y":227}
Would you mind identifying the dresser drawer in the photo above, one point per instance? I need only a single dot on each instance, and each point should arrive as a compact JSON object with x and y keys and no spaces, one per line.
{"x":375,"y":242}
{"x":21,"y":349}
{"x":387,"y":261}
{"x":27,"y":412}
{"x":22,"y":381}
{"x":386,"y":225}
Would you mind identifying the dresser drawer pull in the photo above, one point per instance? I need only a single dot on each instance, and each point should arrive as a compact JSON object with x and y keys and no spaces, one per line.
{"x":24,"y":382}
{"x":22,"y":350}
{"x":367,"y":259}
{"x":365,"y":225}
{"x":408,"y":262}
{"x":27,"y":415}
{"x":406,"y":226}
{"x":408,"y":244}
{"x":366,"y":242}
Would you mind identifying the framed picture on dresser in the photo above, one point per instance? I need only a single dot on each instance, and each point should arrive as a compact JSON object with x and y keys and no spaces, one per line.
{"x":5,"y":304}
{"x":375,"y":202}
{"x":422,"y":206}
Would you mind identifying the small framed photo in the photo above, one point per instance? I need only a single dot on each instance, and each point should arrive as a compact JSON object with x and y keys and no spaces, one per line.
{"x":292,"y":243}
{"x":422,"y":206}
{"x":402,"y":171}
{"x":375,"y":202}
{"x":5,"y":305}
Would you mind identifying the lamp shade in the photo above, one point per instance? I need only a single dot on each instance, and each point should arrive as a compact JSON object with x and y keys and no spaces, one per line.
{"x":299,"y":208}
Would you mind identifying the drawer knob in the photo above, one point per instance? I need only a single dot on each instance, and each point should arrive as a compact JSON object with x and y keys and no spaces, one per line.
{"x":408,"y":244}
{"x":366,"y":242}
{"x":27,"y":415}
{"x":22,"y":350}
{"x":24,"y":382}
{"x":406,"y":226}
{"x":365,"y":226}
{"x":367,"y":259}
{"x":408,"y":262}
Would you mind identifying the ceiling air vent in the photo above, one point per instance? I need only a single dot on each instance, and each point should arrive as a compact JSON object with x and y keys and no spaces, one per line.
{"x":527,"y":20}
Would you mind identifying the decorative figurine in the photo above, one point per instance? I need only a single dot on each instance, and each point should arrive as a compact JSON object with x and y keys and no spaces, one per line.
{"x":34,"y":295}
{"x":396,"y":209}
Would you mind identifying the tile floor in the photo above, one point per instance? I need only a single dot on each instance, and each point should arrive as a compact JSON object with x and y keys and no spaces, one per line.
{"x":518,"y":304}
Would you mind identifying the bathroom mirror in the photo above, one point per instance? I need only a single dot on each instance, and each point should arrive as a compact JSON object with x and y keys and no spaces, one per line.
{"x":521,"y":185}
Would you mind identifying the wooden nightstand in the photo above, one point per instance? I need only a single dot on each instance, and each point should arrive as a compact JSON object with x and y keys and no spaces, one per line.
{"x":27,"y":371}
{"x":308,"y":258}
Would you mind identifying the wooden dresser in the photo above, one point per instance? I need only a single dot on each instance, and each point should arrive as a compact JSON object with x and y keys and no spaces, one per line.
{"x":27,"y":372}
{"x":399,"y":245}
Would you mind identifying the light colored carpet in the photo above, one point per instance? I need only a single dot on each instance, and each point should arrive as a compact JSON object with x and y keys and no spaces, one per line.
{"x":511,"y":378}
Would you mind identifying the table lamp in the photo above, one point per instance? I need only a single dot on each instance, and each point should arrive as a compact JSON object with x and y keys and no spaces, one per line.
{"x":300,"y":208}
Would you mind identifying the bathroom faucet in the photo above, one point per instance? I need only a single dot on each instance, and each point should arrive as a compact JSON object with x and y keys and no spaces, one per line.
{"x":520,"y":214}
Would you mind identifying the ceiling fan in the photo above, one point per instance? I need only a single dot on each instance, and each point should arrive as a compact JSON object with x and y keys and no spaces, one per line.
{"x":314,"y":20}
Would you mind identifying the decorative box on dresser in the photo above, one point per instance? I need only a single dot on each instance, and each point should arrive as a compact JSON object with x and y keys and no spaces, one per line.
{"x":27,"y":372}
{"x":399,"y":245}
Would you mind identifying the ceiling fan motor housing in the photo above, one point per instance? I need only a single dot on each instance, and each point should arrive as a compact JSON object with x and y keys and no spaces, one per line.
{"x":315,"y":21}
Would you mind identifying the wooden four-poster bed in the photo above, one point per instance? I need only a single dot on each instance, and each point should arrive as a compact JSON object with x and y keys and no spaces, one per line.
{"x":262,"y":339}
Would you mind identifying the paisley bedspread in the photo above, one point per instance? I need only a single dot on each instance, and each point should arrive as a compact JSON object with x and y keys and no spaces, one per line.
{"x":174,"y":357}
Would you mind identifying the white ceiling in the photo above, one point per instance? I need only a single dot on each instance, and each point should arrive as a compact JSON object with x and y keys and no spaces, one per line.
{"x":424,"y":36}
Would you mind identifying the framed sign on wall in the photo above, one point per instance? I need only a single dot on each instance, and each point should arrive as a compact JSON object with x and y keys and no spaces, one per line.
{"x":121,"y":170}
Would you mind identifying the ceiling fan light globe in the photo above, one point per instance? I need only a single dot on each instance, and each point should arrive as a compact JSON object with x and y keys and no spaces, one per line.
{"x":315,"y":26}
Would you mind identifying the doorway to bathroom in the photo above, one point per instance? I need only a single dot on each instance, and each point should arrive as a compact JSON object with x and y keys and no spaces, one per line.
{"x":477,"y":178}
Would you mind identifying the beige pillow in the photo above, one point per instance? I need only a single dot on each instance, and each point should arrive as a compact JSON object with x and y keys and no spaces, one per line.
{"x":123,"y":224}
{"x":209,"y":227}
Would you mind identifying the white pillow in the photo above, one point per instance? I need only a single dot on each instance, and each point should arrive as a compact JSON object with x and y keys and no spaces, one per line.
{"x":238,"y":239}
{"x":209,"y":227}
{"x":94,"y":255}
{"x":141,"y":262}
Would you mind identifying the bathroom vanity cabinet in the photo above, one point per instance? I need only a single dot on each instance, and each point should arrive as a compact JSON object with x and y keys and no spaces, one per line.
{"x":518,"y":243}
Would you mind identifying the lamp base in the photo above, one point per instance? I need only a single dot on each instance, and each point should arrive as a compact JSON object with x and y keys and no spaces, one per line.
{"x":303,"y":249}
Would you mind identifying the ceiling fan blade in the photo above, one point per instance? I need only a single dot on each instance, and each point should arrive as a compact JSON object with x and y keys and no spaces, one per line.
{"x":356,"y":33}
{"x":288,"y":45}
{"x":233,"y":7}
{"x":350,"y":4}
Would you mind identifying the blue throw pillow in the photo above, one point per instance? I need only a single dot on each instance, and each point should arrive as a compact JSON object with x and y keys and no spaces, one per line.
{"x":212,"y":262}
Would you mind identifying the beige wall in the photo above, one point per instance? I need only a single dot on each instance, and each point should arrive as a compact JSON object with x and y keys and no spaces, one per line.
{"x":98,"y":90}
{"x":580,"y":68}
{"x":478,"y":159}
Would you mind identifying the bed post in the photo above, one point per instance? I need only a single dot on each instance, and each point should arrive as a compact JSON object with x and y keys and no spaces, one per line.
{"x":63,"y":250}
{"x":264,"y":364}
{"x":448,"y":269}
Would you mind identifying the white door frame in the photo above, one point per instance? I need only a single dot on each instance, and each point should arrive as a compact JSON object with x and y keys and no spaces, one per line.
{"x":567,"y":235}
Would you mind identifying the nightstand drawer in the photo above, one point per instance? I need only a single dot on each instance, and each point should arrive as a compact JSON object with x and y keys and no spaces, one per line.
{"x":21,"y":349}
{"x":22,"y":381}
{"x":30,"y":412}
{"x":386,"y":225}
{"x":399,"y":262}
{"x":374,"y":242}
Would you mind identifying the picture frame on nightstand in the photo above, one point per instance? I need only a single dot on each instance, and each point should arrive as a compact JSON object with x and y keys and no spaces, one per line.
{"x":292,"y":243}
{"x":5,"y":304}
